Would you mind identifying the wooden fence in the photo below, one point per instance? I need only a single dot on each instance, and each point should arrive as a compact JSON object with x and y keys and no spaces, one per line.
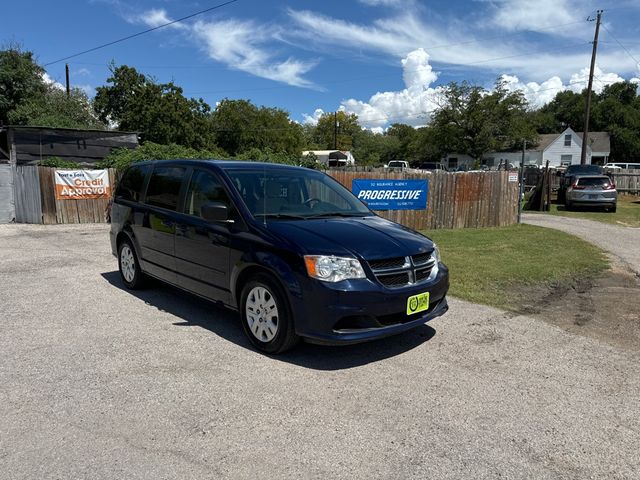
{"x":35,"y":199}
{"x":455,"y":200}
{"x":627,"y":181}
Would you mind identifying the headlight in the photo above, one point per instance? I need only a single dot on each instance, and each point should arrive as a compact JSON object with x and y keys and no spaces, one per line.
{"x":333,"y":269}
{"x":436,"y":253}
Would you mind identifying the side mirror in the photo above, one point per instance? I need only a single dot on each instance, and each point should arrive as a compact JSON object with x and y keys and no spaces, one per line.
{"x":215,"y":212}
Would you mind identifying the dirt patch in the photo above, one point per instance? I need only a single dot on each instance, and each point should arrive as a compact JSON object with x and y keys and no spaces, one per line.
{"x":606,"y":307}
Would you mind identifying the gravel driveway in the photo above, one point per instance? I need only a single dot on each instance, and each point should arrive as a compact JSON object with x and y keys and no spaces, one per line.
{"x":101,"y":383}
{"x":623,"y":242}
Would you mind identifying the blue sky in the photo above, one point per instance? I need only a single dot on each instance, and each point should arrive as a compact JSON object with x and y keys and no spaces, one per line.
{"x":385,"y":60}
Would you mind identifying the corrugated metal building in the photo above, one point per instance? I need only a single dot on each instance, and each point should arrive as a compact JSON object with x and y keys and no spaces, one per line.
{"x":30,"y":145}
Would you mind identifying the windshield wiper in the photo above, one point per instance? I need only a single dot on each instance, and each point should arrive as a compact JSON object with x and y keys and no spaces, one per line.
{"x":281,"y":215}
{"x":338,"y":214}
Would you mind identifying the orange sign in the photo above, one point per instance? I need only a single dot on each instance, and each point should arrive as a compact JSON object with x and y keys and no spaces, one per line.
{"x":82,"y":184}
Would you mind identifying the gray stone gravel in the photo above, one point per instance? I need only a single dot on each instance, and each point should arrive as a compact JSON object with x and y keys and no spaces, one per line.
{"x":623,"y":242}
{"x":98,"y":382}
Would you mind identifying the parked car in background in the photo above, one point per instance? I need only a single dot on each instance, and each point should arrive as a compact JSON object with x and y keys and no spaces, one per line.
{"x":592,"y":190}
{"x":291,"y":249}
{"x":433,"y":166}
{"x":573,"y":171}
{"x":398,"y":164}
{"x":623,"y":166}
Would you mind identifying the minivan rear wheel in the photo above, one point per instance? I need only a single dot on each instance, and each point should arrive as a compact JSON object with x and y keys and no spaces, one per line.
{"x":265,"y":314}
{"x":129,"y":266}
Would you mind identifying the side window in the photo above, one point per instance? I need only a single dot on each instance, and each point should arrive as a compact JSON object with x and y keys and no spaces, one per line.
{"x":132,"y":182}
{"x":164,"y":187}
{"x":204,"y":188}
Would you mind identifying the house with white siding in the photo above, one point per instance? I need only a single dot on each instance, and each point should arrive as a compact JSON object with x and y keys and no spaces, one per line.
{"x":559,"y":148}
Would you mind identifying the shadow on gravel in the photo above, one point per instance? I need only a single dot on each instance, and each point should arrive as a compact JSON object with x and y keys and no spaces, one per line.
{"x":224,"y":323}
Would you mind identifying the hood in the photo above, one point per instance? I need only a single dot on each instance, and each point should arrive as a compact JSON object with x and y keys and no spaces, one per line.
{"x":369,"y":237}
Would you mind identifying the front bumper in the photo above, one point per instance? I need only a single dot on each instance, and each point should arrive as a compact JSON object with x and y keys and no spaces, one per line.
{"x":363,"y":310}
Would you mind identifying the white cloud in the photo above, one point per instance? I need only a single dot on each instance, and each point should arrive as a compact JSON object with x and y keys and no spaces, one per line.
{"x":50,"y":81}
{"x":533,"y":15}
{"x":81,"y":72}
{"x":240,"y":44}
{"x":154,"y":18}
{"x":452,"y":43}
{"x":412,"y":105}
{"x":312,"y":119}
{"x":539,"y":94}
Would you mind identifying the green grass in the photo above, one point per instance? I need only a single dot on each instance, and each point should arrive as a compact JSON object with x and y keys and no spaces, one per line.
{"x":505,"y":267}
{"x":627,"y":214}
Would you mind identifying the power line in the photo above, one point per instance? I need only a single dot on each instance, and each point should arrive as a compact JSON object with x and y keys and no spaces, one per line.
{"x":128,"y":37}
{"x":624,"y":48}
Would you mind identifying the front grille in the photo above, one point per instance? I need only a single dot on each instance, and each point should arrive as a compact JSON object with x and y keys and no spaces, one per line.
{"x":401,"y":271}
{"x":394,"y":280}
{"x":387,"y":263}
{"x":423,"y":273}
{"x":421,"y":259}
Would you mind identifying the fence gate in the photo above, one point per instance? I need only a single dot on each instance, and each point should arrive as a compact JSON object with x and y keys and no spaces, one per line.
{"x":7,"y":203}
{"x":28,"y":204}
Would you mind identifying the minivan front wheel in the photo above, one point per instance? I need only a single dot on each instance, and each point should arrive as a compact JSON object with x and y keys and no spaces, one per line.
{"x":129,"y":266}
{"x":265,"y":315}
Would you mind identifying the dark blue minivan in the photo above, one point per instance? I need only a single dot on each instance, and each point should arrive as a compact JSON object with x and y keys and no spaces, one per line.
{"x":295,"y":252}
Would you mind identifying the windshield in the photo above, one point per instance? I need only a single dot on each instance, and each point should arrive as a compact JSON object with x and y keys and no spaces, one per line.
{"x":395,"y":163}
{"x":294,"y":194}
{"x":584,"y":169}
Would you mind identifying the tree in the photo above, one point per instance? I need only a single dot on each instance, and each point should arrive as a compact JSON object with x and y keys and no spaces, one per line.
{"x":565,"y":110}
{"x":57,"y":109}
{"x":21,"y":78}
{"x":159,"y":111}
{"x":240,"y":126}
{"x":375,"y":148}
{"x":473,"y":121}
{"x":325,"y":131}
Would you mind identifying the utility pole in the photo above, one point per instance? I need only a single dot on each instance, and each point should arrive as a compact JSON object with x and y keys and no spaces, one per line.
{"x":66,"y":72}
{"x":585,"y":133}
{"x":521,"y":189}
{"x":335,"y":130}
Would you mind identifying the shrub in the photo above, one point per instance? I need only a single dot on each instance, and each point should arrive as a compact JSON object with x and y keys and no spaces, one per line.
{"x":57,"y":162}
{"x":121,"y":158}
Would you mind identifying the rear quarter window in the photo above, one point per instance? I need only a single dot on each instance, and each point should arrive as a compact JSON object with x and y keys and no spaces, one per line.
{"x":132,"y":182}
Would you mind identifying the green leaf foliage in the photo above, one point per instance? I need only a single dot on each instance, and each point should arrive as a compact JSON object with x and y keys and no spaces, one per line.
{"x":121,"y":158}
{"x":20,"y":80}
{"x":159,"y":111}
{"x":57,"y":162}
{"x":57,"y":109}
{"x":239,"y":126}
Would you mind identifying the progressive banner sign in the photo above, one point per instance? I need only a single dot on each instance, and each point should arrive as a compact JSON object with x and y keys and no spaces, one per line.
{"x":82,"y":184}
{"x":392,"y":194}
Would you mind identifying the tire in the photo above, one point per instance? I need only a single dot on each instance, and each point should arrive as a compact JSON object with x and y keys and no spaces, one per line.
{"x":613,"y":208}
{"x":129,"y":266}
{"x":567,"y":205}
{"x":261,"y":297}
